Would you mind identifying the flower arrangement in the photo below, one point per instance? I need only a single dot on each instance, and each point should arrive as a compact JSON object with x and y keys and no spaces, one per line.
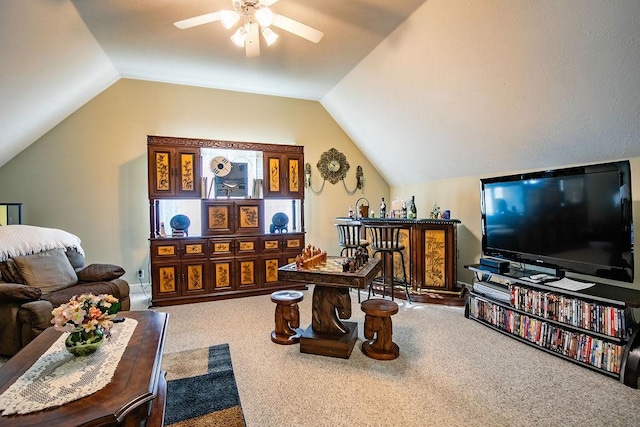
{"x":86,"y":313}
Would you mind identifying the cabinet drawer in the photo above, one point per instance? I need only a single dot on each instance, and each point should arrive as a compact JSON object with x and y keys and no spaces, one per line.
{"x":165,"y":250}
{"x":221,"y":247}
{"x":194,"y":248}
{"x":271,"y":244}
{"x":247,"y":246}
{"x":293,"y":243}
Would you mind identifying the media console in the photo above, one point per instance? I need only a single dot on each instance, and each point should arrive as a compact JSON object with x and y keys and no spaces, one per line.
{"x":593,"y":327}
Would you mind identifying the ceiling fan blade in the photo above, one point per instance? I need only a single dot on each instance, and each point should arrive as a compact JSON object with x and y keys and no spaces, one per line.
{"x":252,"y":42}
{"x":297,"y":28}
{"x":267,"y":2}
{"x":198,"y":20}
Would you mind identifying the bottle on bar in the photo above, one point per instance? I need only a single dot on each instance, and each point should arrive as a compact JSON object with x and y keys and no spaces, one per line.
{"x":404,"y":209}
{"x":350,"y":211}
{"x":383,"y":209}
{"x":413,"y":214}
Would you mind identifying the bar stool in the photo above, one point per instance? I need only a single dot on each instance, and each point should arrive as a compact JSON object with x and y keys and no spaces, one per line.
{"x":349,"y":238}
{"x":385,"y":240}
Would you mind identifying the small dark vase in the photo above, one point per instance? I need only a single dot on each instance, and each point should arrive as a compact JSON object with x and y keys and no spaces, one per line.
{"x":81,"y":343}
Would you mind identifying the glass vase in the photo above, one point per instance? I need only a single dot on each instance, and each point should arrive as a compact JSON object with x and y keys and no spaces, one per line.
{"x":82,"y":343}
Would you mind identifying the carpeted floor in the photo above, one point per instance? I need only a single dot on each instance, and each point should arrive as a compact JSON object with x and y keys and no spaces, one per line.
{"x":201,"y":389}
{"x":451,"y":371}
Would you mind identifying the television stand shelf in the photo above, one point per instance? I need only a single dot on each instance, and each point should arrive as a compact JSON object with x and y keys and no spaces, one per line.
{"x":594,"y":328}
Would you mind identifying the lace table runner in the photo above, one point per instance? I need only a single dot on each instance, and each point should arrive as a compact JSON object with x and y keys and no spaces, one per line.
{"x":58,"y":377}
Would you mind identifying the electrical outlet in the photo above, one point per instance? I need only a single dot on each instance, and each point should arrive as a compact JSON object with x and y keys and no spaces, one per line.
{"x":140,"y":274}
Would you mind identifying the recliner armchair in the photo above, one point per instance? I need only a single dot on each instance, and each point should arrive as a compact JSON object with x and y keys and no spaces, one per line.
{"x":31,"y":286}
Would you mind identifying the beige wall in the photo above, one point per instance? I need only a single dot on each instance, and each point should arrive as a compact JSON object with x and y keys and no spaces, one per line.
{"x":462,"y":197}
{"x":88,"y":175}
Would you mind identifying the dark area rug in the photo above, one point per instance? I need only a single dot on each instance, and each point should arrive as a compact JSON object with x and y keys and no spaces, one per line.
{"x":201,"y":388}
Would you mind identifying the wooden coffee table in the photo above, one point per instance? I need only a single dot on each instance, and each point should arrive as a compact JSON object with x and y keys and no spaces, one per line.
{"x":135,"y":394}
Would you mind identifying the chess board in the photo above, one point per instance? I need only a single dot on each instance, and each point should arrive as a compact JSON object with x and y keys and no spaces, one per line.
{"x":333,"y":264}
{"x":331,"y":274}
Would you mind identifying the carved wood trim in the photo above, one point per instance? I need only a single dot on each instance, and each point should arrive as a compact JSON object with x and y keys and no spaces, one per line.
{"x":211,"y":143}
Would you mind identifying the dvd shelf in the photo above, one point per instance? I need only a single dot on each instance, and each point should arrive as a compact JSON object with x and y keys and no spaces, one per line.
{"x":594,"y":327}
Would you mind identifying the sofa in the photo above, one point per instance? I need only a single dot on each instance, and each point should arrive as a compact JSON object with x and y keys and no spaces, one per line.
{"x":36,"y":277}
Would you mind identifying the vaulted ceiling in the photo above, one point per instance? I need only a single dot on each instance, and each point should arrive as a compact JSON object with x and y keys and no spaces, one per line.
{"x":427,"y":89}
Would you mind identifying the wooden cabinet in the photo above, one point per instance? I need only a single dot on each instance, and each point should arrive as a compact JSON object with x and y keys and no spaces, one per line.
{"x":233,"y":253}
{"x":180,"y":267}
{"x":232,"y":217}
{"x":593,"y":327}
{"x":284,"y":175}
{"x":173,"y":172}
{"x":430,"y":258}
{"x":235,"y":264}
{"x":279,"y":250}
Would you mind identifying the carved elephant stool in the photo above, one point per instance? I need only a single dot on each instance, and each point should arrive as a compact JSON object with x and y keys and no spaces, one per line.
{"x":287,"y":317}
{"x":378,"y":329}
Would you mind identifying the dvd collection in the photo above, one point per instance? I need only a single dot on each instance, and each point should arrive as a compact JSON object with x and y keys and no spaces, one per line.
{"x":594,"y":317}
{"x":576,"y":345}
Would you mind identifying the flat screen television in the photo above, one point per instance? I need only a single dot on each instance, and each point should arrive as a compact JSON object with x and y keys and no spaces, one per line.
{"x":574,"y":219}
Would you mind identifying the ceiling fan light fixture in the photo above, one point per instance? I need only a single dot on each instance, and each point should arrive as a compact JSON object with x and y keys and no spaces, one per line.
{"x":239,"y":37}
{"x":264,"y":15}
{"x":269,"y":36}
{"x":229,"y":18}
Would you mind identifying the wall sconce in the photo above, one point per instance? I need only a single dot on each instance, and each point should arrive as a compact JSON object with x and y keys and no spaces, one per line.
{"x":359,"y":178}
{"x":307,"y":175}
{"x":359,"y":182}
{"x":307,"y":178}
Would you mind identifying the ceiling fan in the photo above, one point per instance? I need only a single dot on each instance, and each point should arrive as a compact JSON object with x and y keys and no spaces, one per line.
{"x":255,"y":17}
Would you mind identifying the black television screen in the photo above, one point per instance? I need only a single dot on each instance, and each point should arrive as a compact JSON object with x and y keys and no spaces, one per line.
{"x":575,"y":219}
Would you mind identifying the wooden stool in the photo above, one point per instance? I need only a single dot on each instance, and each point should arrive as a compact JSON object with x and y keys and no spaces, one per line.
{"x":378,"y":330}
{"x":287,"y":317}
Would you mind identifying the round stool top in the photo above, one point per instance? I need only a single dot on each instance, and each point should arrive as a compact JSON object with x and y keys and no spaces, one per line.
{"x":287,"y":296}
{"x":379,"y":307}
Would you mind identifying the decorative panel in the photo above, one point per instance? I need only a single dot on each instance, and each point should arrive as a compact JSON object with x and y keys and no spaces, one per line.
{"x":294,"y":169}
{"x":162,"y":171}
{"x":405,"y":240}
{"x":222,"y":275}
{"x":195,"y":277}
{"x":221,"y":247}
{"x":274,"y":174}
{"x":271,"y":270}
{"x":166,"y":250}
{"x":217,"y":218}
{"x":434,"y":258}
{"x":167,"y":276}
{"x":249,"y":216}
{"x":293,"y":243}
{"x":248,"y":273}
{"x":271,"y":244}
{"x":187,"y":174}
{"x":246,"y":246}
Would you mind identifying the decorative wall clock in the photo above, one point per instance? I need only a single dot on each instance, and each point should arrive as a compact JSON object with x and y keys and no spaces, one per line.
{"x":333,"y":166}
